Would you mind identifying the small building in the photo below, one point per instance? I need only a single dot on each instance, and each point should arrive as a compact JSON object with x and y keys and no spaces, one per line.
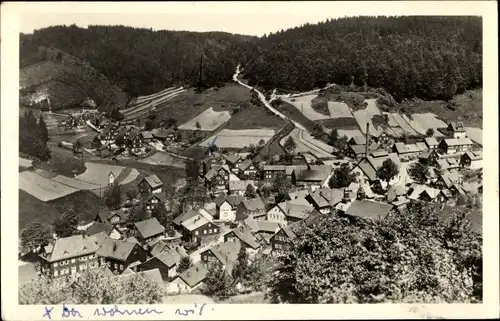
{"x":273,"y":171}
{"x":423,"y":193}
{"x":262,"y":229}
{"x":407,"y":151}
{"x":226,"y":207}
{"x":166,"y":262}
{"x":254,"y":208}
{"x":366,"y":169}
{"x":431,"y":143}
{"x":97,"y":227}
{"x":188,"y":280}
{"x":245,"y":237}
{"x":163,"y":134}
{"x":367,"y":209}
{"x":357,"y":140}
{"x":114,"y":218}
{"x":313,"y":178}
{"x":218,"y":178}
{"x":224,"y":253}
{"x":68,"y":256}
{"x":151,"y":184}
{"x":233,"y":161}
{"x":149,"y":230}
{"x":88,"y":104}
{"x":472,"y":160}
{"x":289,"y":211}
{"x":447,"y":179}
{"x":158,"y":248}
{"x":428,"y":158}
{"x":283,"y":239}
{"x":119,"y":254}
{"x":146,"y":136}
{"x":240,"y":187}
{"x":325,"y":199}
{"x":457,"y":129}
{"x":155,"y":200}
{"x":452,"y":146}
{"x":248,"y":168}
{"x":134,"y":141}
{"x":200,"y":230}
{"x":358,"y":151}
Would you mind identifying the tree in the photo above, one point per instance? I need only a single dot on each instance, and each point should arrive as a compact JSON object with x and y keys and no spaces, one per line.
{"x":185,"y":263}
{"x":429,"y":132}
{"x":113,"y":196}
{"x":411,"y":256}
{"x":77,"y":146}
{"x":136,"y":214}
{"x":262,"y":142}
{"x":120,"y":140}
{"x":66,"y":225}
{"x":42,"y":127}
{"x":150,"y":124}
{"x":239,"y":270}
{"x":198,"y":126}
{"x":290,"y":145}
{"x":281,"y":187}
{"x":34,"y":235}
{"x":162,"y":215}
{"x":116,"y":114}
{"x":96,"y":142}
{"x":418,"y":172}
{"x":317,"y":130}
{"x":388,"y":170}
{"x":132,"y":193}
{"x":218,"y":282}
{"x":250,"y":191}
{"x":342,"y":177}
{"x":31,"y":140}
{"x":334,"y":136}
{"x":192,"y":169}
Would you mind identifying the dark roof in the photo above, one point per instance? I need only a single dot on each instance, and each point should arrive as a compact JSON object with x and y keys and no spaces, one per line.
{"x":245,"y":236}
{"x":153,"y":181}
{"x":70,"y":247}
{"x":254,"y":204}
{"x":359,"y":140}
{"x":194,"y":275}
{"x":457,"y":126}
{"x":158,"y":248}
{"x":98,"y":227}
{"x":368,"y":169}
{"x":26,"y":273}
{"x":105,"y":216}
{"x":162,"y":197}
{"x":246,"y":163}
{"x":88,"y":103}
{"x":185,"y":216}
{"x":232,"y":157}
{"x":369,"y":209}
{"x":431,"y":141}
{"x":317,"y":174}
{"x":116,"y":249}
{"x":149,"y":227}
{"x":234,"y":200}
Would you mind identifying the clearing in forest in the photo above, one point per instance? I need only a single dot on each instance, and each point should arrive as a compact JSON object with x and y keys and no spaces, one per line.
{"x":303,"y":104}
{"x":209,"y":120}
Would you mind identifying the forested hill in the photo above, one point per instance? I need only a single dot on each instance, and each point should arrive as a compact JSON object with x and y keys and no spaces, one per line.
{"x":425,"y":57}
{"x":142,"y":61}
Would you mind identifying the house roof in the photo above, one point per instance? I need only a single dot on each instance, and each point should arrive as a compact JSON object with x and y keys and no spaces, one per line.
{"x":369,"y":209}
{"x":358,"y":149}
{"x":26,"y":273}
{"x":105,"y":216}
{"x":475,"y":155}
{"x":98,"y":227}
{"x":149,"y":227}
{"x":395,"y":191}
{"x":359,"y":140}
{"x":450,"y":177}
{"x":457,"y":141}
{"x":232,"y":157}
{"x":88,"y":103}
{"x":245,"y":236}
{"x":153,"y":181}
{"x":353,"y":187}
{"x":289,"y":232}
{"x":400,"y":200}
{"x":331,"y":195}
{"x":116,"y":249}
{"x":99,"y":238}
{"x":422,"y":146}
{"x":379,"y":153}
{"x":72,"y":246}
{"x":367,"y":169}
{"x":457,"y":126}
{"x":127,"y":271}
{"x":194,"y":222}
{"x":254,"y":204}
{"x":315,"y":174}
{"x":245,"y":164}
{"x":158,"y":248}
{"x":274,"y":167}
{"x":194,"y":275}
{"x":185,"y":216}
{"x":417,"y":190}
{"x":431,"y":141}
{"x":169,"y":258}
{"x":162,"y":197}
{"x":132,"y":239}
{"x":240,"y":185}
{"x":227,"y":253}
{"x":233,"y":200}
{"x":300,"y":193}
{"x":147,"y":135}
{"x":368,"y":191}
{"x":162,"y":133}
{"x":261,"y":226}
{"x":291,"y":209}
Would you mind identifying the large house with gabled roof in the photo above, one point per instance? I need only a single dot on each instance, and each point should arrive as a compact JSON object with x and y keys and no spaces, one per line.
{"x":119,"y":254}
{"x":151,"y":185}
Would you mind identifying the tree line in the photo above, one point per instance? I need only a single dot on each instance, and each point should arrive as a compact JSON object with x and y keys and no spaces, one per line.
{"x":33,"y":136}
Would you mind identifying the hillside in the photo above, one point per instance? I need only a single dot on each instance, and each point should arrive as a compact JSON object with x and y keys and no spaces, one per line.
{"x":66,"y":81}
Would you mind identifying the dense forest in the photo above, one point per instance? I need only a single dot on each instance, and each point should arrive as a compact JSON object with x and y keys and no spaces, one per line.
{"x":425,"y":57}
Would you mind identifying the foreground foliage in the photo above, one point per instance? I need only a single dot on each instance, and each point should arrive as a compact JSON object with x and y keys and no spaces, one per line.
{"x":413,"y":256}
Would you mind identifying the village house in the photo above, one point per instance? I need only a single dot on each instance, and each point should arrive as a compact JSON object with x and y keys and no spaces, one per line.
{"x":119,"y":254}
{"x":407,"y":151}
{"x":457,"y":129}
{"x":357,"y":151}
{"x":325,"y":199}
{"x":218,"y":178}
{"x":108,"y":134}
{"x":158,"y":248}
{"x":146,"y":136}
{"x":190,"y":214}
{"x":226,"y":207}
{"x":200,"y":230}
{"x":248,"y":168}
{"x":394,"y":192}
{"x":97,"y":227}
{"x":163,"y":134}
{"x":312,"y":177}
{"x":215,"y":160}
{"x":134,"y":141}
{"x":150,"y":184}
{"x":188,"y":280}
{"x":273,"y":171}
{"x":283,"y":239}
{"x":262,"y":229}
{"x":367,"y":209}
{"x":302,"y":193}
{"x":233,"y":161}
{"x":155,"y":200}
{"x":357,"y":140}
{"x":446,"y":163}
{"x":254,"y":208}
{"x":366,"y":169}
{"x":428,"y":158}
{"x":239,"y":187}
{"x":115,"y":218}
{"x":431,"y":143}
{"x":225,"y":253}
{"x":166,"y":262}
{"x":423,"y":193}
{"x":245,"y":237}
{"x":149,"y":230}
{"x":448,"y":178}
{"x":69,"y":255}
{"x":453,"y":146}
{"x":472,"y":160}
{"x":289,"y":211}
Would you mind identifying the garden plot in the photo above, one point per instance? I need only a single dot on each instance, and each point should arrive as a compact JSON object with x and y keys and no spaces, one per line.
{"x":349,"y":133}
{"x":307,"y":144}
{"x":416,"y":126}
{"x":371,"y":107}
{"x":362,"y":118}
{"x":339,"y":110}
{"x":74,"y":183}
{"x":98,"y":173}
{"x":429,"y":120}
{"x":164,"y":159}
{"x":403,"y":124}
{"x":209,"y":120}
{"x":43,"y":188}
{"x":228,"y":138}
{"x":475,"y":134}
{"x":142,"y":99}
{"x":145,"y":107}
{"x":303,"y":104}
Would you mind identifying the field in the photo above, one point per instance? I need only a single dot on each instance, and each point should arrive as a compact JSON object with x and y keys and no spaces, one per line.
{"x":43,"y":188}
{"x":429,"y":120}
{"x":254,"y":117}
{"x":162,"y":158}
{"x":371,"y":107}
{"x":308,"y":144}
{"x":339,"y":110}
{"x":295,"y":115}
{"x":146,"y":105}
{"x":303,"y":104}
{"x":362,"y":118}
{"x":403,"y":124}
{"x":228,"y":138}
{"x":476,"y":134}
{"x":209,"y":120}
{"x":97,"y":174}
{"x":190,"y":103}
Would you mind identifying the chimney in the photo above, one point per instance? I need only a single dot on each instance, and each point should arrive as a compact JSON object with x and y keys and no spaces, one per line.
{"x":367,"y":138}
{"x":114,"y":247}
